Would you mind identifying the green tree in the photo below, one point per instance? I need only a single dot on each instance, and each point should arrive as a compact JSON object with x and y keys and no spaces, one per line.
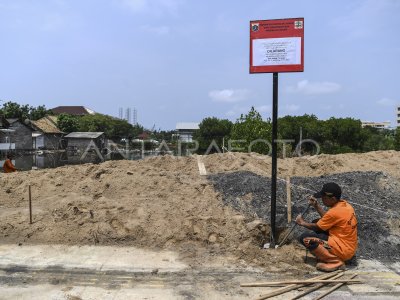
{"x":212,"y":129}
{"x":254,"y":132}
{"x":289,"y":128}
{"x":67,"y":123}
{"x":397,"y":139}
{"x":23,"y":112}
{"x":379,"y":139}
{"x":15,"y":110}
{"x":341,"y":135}
{"x":112,"y":127}
{"x":161,"y":135}
{"x":39,"y":112}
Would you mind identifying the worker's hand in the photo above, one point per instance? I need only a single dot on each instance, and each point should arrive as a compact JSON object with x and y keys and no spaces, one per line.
{"x":299,"y":220}
{"x":313,"y":202}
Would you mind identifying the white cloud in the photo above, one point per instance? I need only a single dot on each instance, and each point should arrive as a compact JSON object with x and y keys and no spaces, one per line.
{"x":387,"y":102}
{"x":314,"y":88}
{"x":229,"y":95}
{"x":159,"y":30}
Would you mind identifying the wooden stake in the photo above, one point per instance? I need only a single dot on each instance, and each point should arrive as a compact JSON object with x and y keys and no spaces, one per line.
{"x":30,"y":205}
{"x":294,"y":286}
{"x":333,"y":288}
{"x":279,"y":283}
{"x":289,"y":199}
{"x":314,"y":288}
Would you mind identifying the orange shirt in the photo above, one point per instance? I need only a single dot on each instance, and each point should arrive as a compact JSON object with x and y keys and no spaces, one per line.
{"x":8,"y":166}
{"x":341,"y":222}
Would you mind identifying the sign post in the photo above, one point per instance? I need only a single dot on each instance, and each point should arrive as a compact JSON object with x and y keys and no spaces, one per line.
{"x":276,"y":46}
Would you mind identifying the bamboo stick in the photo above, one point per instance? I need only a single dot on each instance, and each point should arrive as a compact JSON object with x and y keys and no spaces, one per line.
{"x":294,"y":286}
{"x":314,"y":288}
{"x":335,"y":287}
{"x":279,"y":283}
{"x":30,"y":205}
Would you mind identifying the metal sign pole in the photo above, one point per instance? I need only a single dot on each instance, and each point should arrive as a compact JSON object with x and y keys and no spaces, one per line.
{"x":267,"y":55}
{"x":274,"y":156}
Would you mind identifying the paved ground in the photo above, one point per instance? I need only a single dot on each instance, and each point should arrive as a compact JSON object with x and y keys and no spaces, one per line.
{"x":94,"y":272}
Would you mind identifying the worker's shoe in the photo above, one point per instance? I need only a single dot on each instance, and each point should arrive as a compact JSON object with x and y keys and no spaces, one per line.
{"x":328,"y":261}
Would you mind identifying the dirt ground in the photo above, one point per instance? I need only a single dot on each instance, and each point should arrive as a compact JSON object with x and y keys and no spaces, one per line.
{"x":163,"y":203}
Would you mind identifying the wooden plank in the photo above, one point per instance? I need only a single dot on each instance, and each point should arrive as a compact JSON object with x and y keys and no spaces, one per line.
{"x":278,"y":283}
{"x":333,"y":288}
{"x":294,"y":286}
{"x":314,"y":288}
{"x":200,"y":164}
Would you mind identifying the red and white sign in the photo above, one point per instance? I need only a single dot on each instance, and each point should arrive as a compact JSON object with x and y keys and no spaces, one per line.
{"x":277,"y":46}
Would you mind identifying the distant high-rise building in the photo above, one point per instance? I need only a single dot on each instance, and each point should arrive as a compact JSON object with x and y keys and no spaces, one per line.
{"x":134,"y":119}
{"x":398,"y":116}
{"x":128,"y":115}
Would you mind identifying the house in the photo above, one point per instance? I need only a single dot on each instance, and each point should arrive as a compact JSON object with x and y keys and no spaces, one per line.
{"x":3,"y":122}
{"x":5,"y":141}
{"x":72,"y":110}
{"x":20,"y":134}
{"x":46,"y":134}
{"x":82,"y":141}
{"x":184,"y":131}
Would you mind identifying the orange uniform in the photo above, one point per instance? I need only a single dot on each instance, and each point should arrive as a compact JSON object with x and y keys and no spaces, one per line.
{"x":341,"y":222}
{"x":8,"y":166}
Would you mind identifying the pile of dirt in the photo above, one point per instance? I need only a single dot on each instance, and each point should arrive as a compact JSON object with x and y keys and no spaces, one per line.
{"x":164,"y":203}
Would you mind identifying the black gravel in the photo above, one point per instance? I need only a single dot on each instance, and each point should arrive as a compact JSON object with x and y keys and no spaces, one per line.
{"x":374,"y":195}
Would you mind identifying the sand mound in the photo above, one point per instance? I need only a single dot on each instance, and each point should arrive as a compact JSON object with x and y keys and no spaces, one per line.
{"x":161,"y":202}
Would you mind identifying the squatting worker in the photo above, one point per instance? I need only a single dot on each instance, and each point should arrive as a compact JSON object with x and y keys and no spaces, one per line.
{"x":333,"y":239}
{"x":8,"y":166}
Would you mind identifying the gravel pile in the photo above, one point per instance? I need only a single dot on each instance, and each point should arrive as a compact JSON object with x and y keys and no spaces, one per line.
{"x":374,"y":196}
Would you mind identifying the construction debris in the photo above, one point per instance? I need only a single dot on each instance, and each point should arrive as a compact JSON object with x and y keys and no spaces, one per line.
{"x":319,"y":282}
{"x":280,"y":283}
{"x":296,"y":286}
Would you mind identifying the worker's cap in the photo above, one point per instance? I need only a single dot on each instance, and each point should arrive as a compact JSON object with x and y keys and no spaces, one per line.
{"x":329,"y":189}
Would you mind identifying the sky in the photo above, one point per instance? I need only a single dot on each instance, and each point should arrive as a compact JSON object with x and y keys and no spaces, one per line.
{"x":185,"y":60}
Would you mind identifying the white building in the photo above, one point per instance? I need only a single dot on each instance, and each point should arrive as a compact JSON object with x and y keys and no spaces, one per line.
{"x":379,"y":125}
{"x":184,"y":131}
{"x":398,"y":116}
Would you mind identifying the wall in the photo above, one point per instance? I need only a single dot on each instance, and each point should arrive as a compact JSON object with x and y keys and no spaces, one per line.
{"x":82,"y":144}
{"x":53,"y":141}
{"x":22,"y":137}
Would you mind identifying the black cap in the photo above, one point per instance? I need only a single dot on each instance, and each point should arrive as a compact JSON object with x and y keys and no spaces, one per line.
{"x":329,"y":189}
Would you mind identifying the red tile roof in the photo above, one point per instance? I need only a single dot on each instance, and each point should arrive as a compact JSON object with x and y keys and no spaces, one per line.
{"x":72,"y":110}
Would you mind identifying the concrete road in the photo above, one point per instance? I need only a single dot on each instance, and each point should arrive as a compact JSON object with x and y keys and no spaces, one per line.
{"x":97,"y":272}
